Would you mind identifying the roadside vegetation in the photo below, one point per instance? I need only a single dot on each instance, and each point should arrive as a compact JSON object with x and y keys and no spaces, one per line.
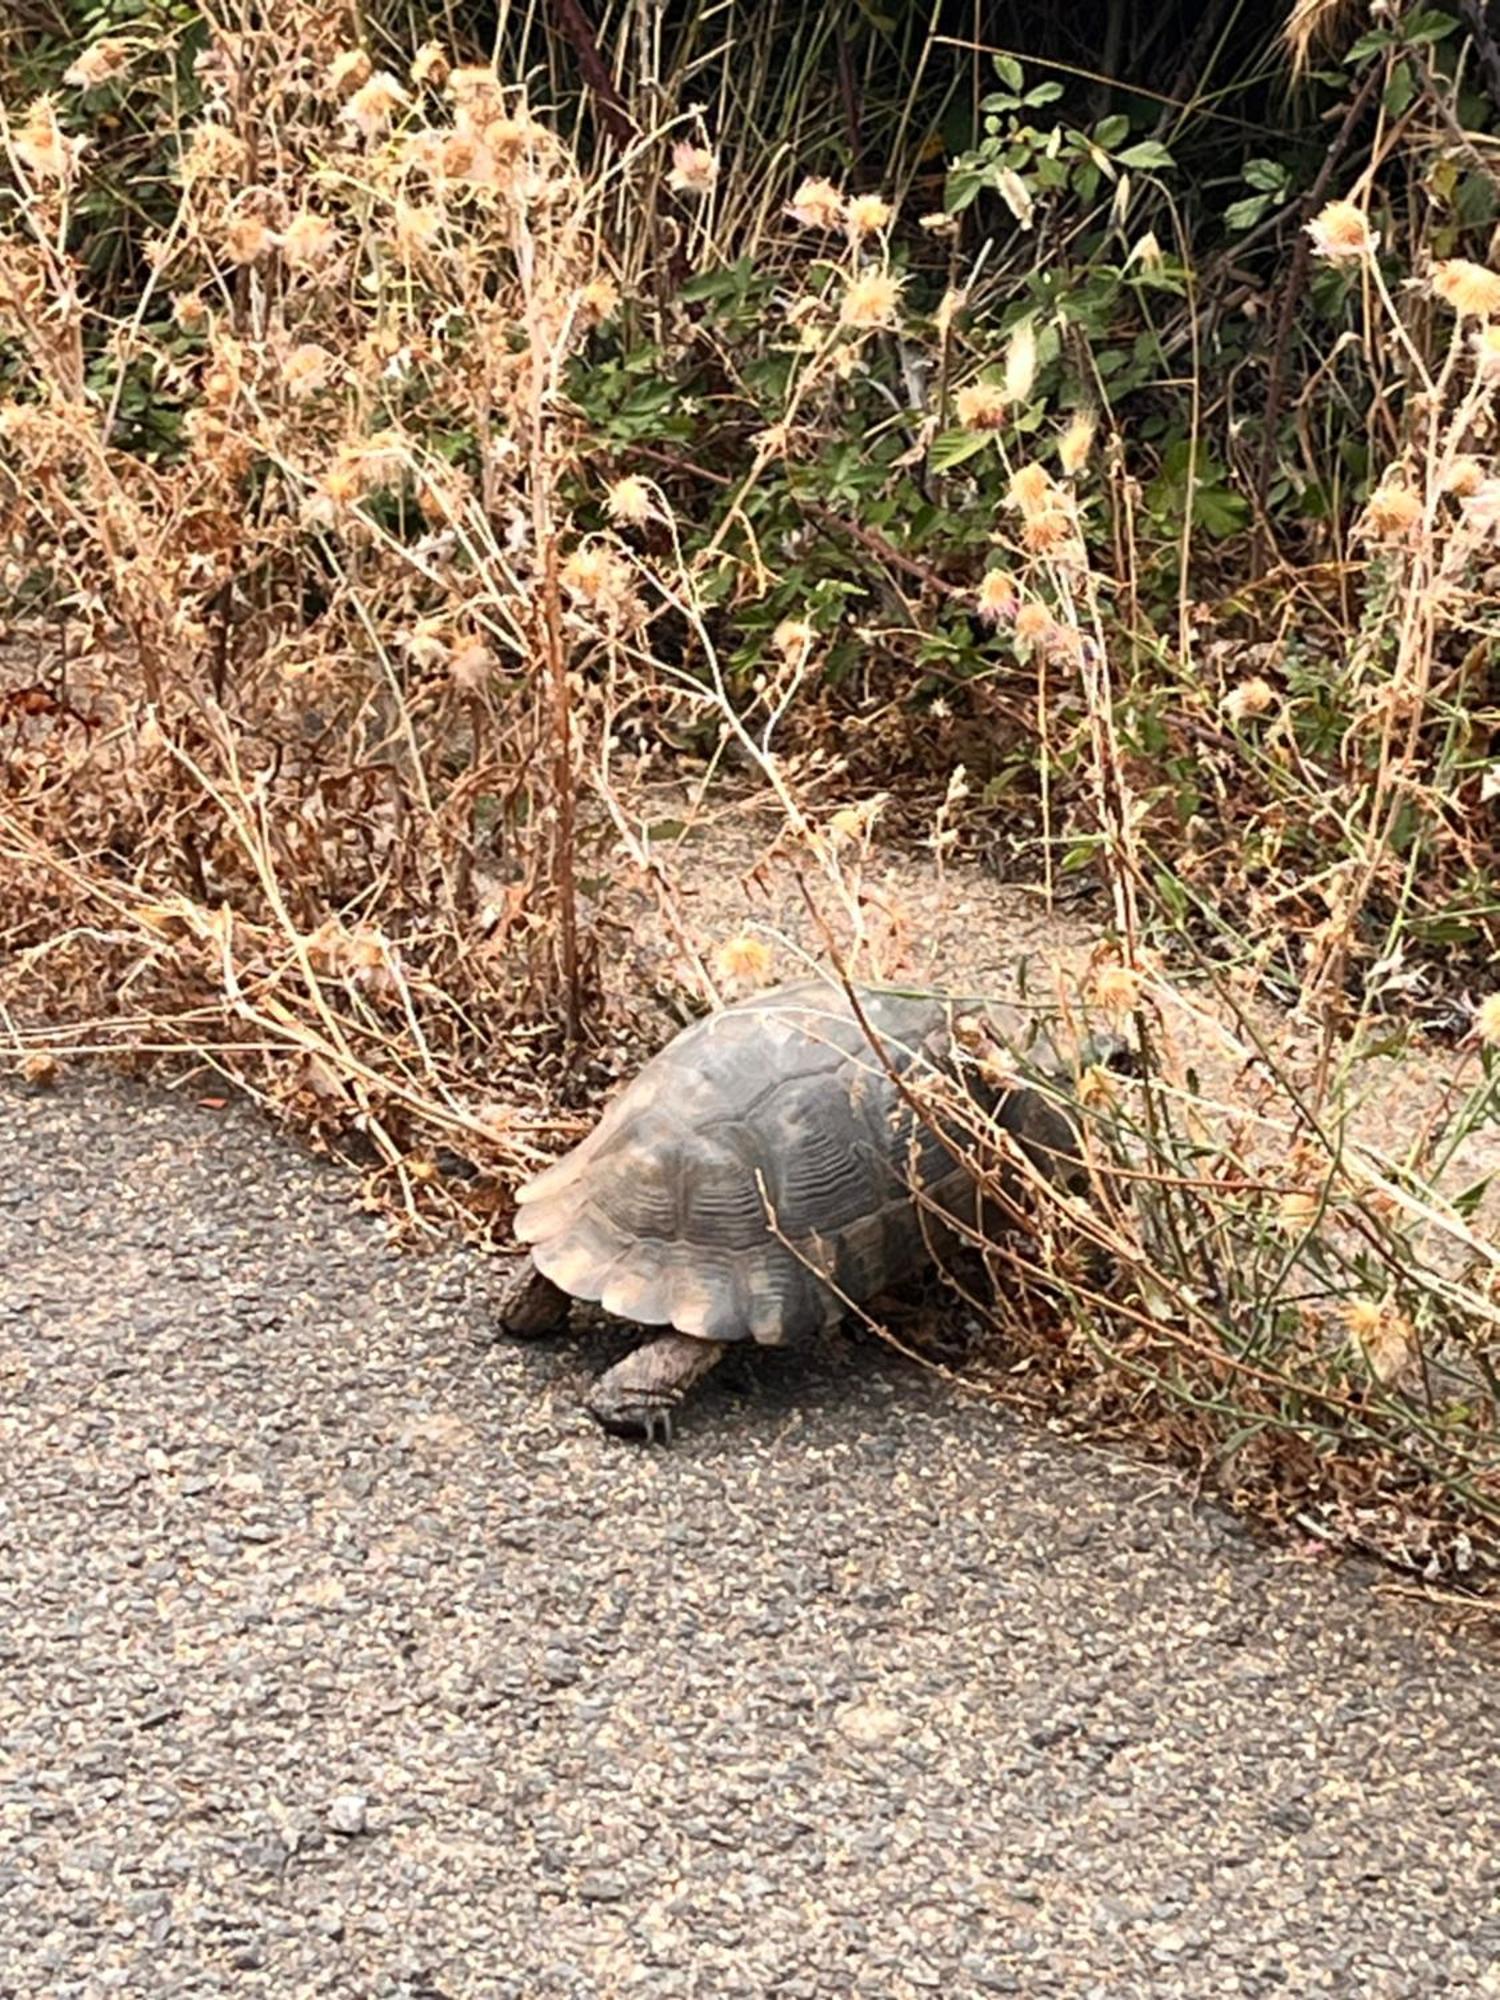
{"x":420,"y":430}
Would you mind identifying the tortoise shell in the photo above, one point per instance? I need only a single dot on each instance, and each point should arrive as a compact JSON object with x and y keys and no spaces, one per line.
{"x":766,"y":1169}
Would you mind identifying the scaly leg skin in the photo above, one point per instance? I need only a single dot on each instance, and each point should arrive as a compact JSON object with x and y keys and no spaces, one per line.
{"x":637,"y":1396}
{"x":531,"y":1305}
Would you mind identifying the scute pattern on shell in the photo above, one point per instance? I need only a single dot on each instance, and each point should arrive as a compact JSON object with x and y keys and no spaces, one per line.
{"x":775,"y":1107}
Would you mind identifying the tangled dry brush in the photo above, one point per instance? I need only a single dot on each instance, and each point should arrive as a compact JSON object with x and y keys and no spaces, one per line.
{"x":313,"y":681}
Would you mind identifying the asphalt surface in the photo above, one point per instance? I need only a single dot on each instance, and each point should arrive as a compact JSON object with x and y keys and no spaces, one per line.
{"x":339,"y":1654}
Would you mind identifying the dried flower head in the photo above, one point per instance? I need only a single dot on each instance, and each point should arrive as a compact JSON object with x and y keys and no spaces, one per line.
{"x":629,"y":500}
{"x":1020,"y":362}
{"x":472,"y":85}
{"x":1487,"y":1019}
{"x":599,"y":300}
{"x":247,"y":239}
{"x":1471,"y":289}
{"x":744,"y":959}
{"x":1341,"y":232}
{"x":1077,"y":441}
{"x":866,"y":214}
{"x":309,"y":241}
{"x":1252,"y":697}
{"x":1384,"y":1338}
{"x":695,"y":170}
{"x":1393,"y":510}
{"x":938,"y":224}
{"x":41,"y":144}
{"x":1147,"y":252}
{"x":471,"y":666}
{"x":1034,"y":623}
{"x":418,"y":225}
{"x":1115,"y":989}
{"x":600,"y":581}
{"x":981,"y":406}
{"x":1361,"y":1316}
{"x":1486,"y":346}
{"x":1481,"y":507}
{"x":997,"y":595}
{"x":794,"y":639}
{"x":307,"y":369}
{"x":428,"y":643}
{"x":1031,"y":490}
{"x":348,"y":70}
{"x":212,"y":154}
{"x":1464,"y":477}
{"x":102,"y":62}
{"x":429,"y":65}
{"x":817,"y":204}
{"x":373,"y":106}
{"x":870,"y":300}
{"x":1298,"y":1209}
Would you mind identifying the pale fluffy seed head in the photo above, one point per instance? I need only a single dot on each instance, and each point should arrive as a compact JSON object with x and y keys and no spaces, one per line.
{"x":1341,"y":232}
{"x":981,"y":406}
{"x":817,"y":204}
{"x":870,"y":300}
{"x":1471,"y":290}
{"x":866,"y":214}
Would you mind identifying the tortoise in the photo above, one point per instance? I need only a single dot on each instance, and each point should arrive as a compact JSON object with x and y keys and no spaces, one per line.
{"x":765,"y":1171}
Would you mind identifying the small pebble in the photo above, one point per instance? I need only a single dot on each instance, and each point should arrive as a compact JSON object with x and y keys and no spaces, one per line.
{"x":349,"y":1813}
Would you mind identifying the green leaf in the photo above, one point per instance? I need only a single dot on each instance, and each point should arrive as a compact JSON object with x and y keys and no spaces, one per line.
{"x":1430,"y":26}
{"x":1244,"y":214}
{"x":1043,"y":93}
{"x":726,"y":284}
{"x":1171,"y":893}
{"x":963,"y":186}
{"x":1220,"y":512}
{"x":1469,"y":1199}
{"x":1009,"y":72}
{"x":952,"y":448}
{"x":1111,"y":132}
{"x":1270,"y":176}
{"x":1147,"y":154}
{"x":1400,"y":89}
{"x":1369,"y":45}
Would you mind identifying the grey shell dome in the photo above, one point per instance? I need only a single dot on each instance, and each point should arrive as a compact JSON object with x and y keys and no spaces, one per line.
{"x":778,"y":1106}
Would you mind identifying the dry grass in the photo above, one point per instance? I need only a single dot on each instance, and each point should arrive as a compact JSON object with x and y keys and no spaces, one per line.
{"x":316,"y":705}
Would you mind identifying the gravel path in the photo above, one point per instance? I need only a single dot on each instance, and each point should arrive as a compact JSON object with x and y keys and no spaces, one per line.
{"x":339,"y":1654}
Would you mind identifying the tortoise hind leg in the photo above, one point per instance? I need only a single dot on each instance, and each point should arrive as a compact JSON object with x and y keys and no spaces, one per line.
{"x":637,"y":1396}
{"x":531,"y":1305}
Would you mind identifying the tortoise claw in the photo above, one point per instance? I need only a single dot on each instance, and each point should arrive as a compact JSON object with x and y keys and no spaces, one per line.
{"x":644,"y":1422}
{"x":637,"y":1396}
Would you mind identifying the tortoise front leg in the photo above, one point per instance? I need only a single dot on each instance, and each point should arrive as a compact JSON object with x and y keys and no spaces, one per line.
{"x":531,"y":1305}
{"x":637,"y":1396}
